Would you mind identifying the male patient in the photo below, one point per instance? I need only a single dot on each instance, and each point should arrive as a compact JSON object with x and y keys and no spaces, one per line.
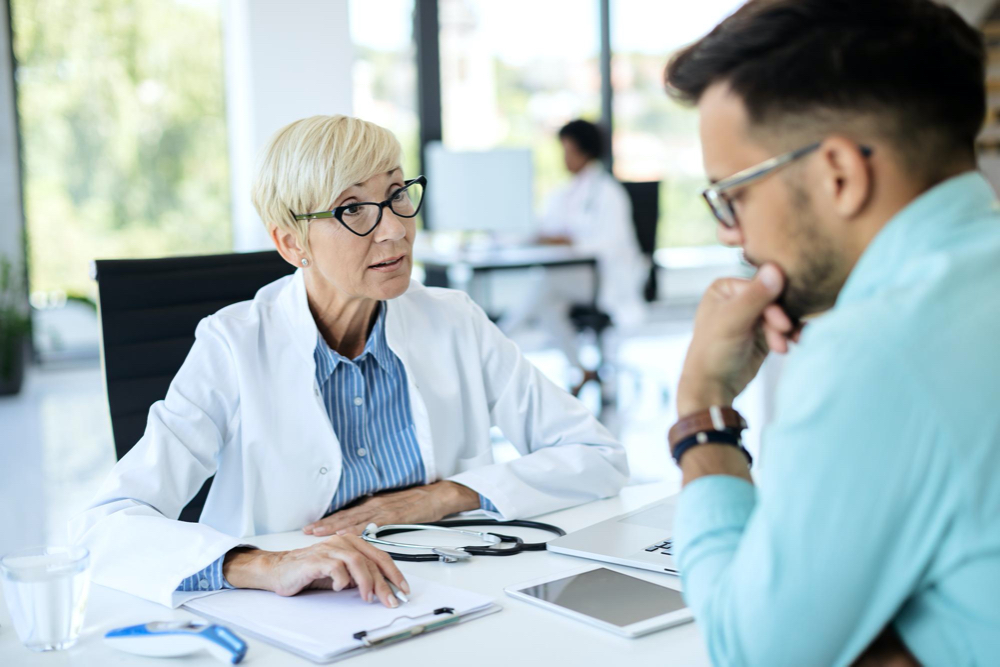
{"x":875,"y":528}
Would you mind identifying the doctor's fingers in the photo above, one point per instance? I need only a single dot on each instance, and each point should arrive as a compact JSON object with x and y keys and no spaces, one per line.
{"x":357,"y":529}
{"x":345,"y":520}
{"x":385,"y":564}
{"x":382,"y":590}
{"x":336,"y":573}
{"x":357,"y":566}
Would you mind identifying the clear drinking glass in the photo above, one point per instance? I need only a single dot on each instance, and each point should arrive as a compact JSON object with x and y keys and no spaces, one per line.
{"x":46,"y":591}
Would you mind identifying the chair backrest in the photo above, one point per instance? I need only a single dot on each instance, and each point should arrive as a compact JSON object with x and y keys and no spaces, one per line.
{"x":149,"y":309}
{"x":645,"y":198}
{"x":645,"y":213}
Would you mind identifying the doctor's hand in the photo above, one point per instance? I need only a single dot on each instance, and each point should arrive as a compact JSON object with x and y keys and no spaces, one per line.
{"x":336,"y":563}
{"x":415,"y":505}
{"x":737,"y":323}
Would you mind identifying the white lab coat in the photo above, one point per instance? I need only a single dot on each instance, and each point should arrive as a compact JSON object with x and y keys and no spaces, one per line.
{"x":246,"y":407}
{"x":595,"y":211}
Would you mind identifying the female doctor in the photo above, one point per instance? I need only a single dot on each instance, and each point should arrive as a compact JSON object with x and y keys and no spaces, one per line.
{"x":341,"y":395}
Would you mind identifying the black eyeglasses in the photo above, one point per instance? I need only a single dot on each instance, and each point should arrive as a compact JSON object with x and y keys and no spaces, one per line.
{"x":362,"y":218}
{"x":720,"y":202}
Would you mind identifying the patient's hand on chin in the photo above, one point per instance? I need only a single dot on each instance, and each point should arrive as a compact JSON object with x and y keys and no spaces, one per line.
{"x":418,"y":504}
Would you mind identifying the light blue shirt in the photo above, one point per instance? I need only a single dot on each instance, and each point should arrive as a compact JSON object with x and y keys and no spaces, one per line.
{"x":368,"y":404}
{"x":878,"y":499}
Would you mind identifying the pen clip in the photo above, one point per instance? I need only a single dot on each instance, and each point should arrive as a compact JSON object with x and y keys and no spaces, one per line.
{"x":370,"y":641}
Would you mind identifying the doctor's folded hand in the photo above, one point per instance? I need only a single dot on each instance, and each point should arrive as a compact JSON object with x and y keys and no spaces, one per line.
{"x":416,"y":505}
{"x":341,"y":395}
{"x":336,"y":563}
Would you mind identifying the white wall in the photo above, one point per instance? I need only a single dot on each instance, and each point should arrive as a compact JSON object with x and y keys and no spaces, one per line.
{"x":11,"y":215}
{"x":285,"y":60}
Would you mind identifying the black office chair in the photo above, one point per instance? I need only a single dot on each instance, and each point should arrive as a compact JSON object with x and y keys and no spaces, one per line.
{"x":149,"y":309}
{"x":646,"y":217}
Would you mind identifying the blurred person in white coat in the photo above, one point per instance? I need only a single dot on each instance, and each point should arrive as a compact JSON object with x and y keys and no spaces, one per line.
{"x":340,"y":395}
{"x":592,"y":213}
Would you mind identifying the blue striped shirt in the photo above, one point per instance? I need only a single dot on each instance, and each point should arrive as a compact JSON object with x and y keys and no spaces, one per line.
{"x":369,"y":408}
{"x":368,"y":404}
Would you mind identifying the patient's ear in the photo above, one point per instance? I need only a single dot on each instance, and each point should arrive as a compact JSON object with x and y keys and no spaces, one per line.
{"x":846,"y":177}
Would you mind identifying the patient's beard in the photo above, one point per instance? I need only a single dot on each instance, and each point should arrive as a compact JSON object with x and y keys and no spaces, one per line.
{"x":813,"y":285}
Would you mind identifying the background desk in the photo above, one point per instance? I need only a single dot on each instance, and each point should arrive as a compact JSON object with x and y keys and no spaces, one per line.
{"x":463,"y":268}
{"x":521,"y":634}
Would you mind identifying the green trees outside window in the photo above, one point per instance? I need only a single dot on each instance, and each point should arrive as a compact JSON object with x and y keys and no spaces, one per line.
{"x":122,"y":120}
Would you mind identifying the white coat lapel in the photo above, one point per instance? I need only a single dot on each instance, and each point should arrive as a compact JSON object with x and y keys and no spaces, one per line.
{"x":399,"y":343}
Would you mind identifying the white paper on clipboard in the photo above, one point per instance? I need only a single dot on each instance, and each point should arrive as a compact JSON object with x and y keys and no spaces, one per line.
{"x":320,"y":625}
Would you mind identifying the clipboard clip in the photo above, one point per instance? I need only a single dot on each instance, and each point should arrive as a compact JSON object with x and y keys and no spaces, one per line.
{"x":370,"y":640}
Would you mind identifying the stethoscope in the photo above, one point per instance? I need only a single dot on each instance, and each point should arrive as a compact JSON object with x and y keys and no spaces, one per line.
{"x":493,"y":541}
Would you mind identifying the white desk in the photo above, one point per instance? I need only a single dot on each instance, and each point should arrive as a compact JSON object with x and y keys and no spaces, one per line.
{"x":459,"y":269}
{"x":521,"y":634}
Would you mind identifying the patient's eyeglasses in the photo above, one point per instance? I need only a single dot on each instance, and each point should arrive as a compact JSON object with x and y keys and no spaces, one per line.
{"x":361,"y":218}
{"x":717,"y":195}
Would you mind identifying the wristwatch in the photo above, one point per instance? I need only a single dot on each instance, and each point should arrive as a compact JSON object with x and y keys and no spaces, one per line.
{"x":717,"y":424}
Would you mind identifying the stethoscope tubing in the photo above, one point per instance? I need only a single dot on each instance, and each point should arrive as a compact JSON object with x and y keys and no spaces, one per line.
{"x":456,"y":525}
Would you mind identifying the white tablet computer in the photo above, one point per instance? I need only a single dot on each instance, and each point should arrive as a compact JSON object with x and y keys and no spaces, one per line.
{"x":616,"y":602}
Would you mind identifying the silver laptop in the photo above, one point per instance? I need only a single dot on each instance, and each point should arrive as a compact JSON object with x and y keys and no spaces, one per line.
{"x":642,"y":538}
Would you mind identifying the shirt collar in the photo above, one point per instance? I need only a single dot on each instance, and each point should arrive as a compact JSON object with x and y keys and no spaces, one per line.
{"x":592,"y":169}
{"x":917,"y":230}
{"x":327,"y":359}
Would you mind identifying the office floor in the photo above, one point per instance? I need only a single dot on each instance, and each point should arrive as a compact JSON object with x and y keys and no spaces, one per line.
{"x":57,"y":446}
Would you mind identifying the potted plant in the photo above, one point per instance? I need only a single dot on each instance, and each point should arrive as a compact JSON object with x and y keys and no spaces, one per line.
{"x":15,"y":326}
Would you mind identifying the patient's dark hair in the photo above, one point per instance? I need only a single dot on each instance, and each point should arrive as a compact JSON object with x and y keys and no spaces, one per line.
{"x":587,"y":137}
{"x":912,"y":68}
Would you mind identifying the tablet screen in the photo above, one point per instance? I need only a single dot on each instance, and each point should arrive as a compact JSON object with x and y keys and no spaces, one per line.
{"x":609,"y":596}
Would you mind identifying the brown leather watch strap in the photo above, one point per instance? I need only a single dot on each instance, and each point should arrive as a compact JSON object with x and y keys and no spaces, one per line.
{"x":716,"y":418}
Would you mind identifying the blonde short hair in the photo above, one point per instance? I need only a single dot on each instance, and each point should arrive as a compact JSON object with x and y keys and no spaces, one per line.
{"x":307,"y":164}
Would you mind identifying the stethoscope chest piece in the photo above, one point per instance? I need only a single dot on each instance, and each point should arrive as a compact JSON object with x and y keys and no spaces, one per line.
{"x":451,"y":555}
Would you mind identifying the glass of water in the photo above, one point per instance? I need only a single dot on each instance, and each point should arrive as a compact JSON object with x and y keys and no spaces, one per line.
{"x":46,"y":591}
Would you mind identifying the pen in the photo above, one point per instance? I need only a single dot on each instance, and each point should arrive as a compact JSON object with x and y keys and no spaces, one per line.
{"x":398,"y":593}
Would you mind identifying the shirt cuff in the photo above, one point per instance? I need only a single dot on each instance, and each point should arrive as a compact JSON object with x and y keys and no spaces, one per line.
{"x":209,"y":579}
{"x":486,"y":504}
{"x":712,"y":513}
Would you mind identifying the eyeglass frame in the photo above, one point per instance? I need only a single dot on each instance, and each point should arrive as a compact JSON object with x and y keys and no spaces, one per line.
{"x":338,"y":212}
{"x":715,"y":194}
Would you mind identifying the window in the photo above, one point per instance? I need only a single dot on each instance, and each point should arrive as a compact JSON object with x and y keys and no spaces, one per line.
{"x":385,"y":71}
{"x":655,"y":138}
{"x":509,"y":81}
{"x":122,"y":118}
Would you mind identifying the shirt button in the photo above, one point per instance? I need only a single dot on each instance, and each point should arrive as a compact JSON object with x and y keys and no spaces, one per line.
{"x":358,"y":400}
{"x":203,"y":584}
{"x":362,"y":452}
{"x":323,"y":471}
{"x":317,"y":391}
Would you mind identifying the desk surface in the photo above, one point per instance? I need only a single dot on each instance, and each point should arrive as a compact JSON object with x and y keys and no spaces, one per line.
{"x":521,"y":633}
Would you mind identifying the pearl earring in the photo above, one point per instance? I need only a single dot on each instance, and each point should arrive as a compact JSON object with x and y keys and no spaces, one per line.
{"x":305,"y":262}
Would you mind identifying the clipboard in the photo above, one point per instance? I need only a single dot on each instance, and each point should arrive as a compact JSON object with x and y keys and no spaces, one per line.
{"x":322,"y":626}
